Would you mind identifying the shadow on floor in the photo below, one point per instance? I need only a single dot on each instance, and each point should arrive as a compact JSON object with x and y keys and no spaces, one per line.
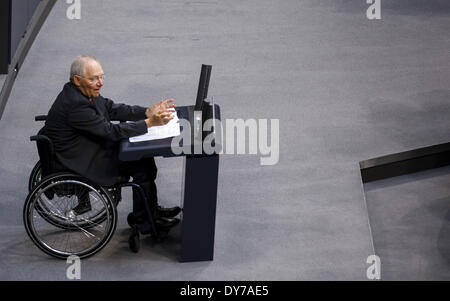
{"x":410,"y":221}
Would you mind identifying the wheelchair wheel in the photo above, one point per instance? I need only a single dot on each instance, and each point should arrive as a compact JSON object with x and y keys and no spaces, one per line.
{"x":35,"y":176}
{"x":54,"y":225}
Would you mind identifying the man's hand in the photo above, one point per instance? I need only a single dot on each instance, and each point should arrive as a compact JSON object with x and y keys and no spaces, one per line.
{"x":160,"y":113}
{"x":162,"y":105}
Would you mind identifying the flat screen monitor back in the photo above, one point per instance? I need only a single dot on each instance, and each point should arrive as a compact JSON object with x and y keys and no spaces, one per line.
{"x":203,"y":84}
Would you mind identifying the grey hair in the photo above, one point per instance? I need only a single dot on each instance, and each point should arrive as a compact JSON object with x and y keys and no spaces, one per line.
{"x":78,"y":66}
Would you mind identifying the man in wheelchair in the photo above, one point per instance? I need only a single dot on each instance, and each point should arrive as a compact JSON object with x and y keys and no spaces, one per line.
{"x":86,"y":142}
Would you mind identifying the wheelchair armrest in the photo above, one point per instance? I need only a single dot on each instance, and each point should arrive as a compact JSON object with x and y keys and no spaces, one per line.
{"x":40,"y":138}
{"x":46,"y":140}
{"x":40,"y":118}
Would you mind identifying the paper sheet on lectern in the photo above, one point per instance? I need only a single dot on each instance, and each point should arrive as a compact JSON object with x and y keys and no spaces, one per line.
{"x":171,"y":129}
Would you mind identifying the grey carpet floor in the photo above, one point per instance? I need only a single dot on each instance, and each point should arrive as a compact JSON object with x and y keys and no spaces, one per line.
{"x":344,"y":88}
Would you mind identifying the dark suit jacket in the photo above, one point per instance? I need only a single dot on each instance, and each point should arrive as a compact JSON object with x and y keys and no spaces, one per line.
{"x":84,"y":138}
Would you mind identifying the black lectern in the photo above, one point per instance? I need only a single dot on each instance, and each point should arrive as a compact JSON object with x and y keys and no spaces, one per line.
{"x":200,"y":175}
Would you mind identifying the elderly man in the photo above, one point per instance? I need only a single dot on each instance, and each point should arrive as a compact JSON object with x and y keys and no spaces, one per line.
{"x":86,"y":141}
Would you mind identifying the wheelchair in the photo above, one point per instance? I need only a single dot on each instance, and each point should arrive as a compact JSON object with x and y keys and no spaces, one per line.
{"x":67,"y":214}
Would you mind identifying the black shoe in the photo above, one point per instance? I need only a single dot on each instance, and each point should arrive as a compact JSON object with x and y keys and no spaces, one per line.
{"x":165,"y":224}
{"x":167,"y":212}
{"x":82,"y":207}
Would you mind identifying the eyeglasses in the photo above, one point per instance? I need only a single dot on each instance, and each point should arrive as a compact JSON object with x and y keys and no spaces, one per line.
{"x":94,"y":79}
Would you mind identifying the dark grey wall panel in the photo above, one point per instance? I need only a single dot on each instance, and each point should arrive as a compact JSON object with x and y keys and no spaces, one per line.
{"x":32,"y":4}
{"x":21,"y":13}
{"x":19,"y":21}
{"x":4,"y":35}
{"x":33,"y":26}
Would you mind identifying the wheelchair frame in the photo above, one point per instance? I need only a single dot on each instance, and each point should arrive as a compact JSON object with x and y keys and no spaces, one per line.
{"x":43,"y":186}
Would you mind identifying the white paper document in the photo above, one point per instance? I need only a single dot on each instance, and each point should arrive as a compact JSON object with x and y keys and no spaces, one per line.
{"x":171,"y":129}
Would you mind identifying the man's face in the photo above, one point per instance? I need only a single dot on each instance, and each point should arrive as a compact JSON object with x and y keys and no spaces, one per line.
{"x":91,"y":82}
